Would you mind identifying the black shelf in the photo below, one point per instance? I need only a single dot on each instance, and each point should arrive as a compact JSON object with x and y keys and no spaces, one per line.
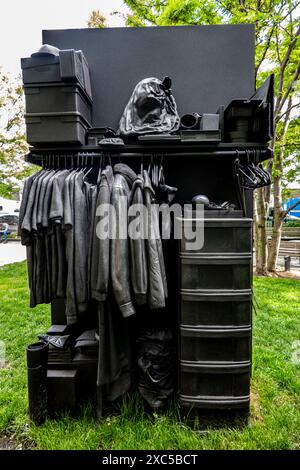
{"x":178,"y":149}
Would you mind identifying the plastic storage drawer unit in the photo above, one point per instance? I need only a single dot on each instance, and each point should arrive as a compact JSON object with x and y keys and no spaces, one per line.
{"x":221,"y":308}
{"x":56,"y":128}
{"x":220,"y":235}
{"x":214,"y":386}
{"x":215,"y":344}
{"x":57,"y":98}
{"x":231,"y":271}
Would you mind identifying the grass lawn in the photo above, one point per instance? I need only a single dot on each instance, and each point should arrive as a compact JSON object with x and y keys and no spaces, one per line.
{"x":275,"y":414}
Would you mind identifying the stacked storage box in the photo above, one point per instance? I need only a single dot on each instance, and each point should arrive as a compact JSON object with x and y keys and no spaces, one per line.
{"x":215,"y":314}
{"x":58,"y":97}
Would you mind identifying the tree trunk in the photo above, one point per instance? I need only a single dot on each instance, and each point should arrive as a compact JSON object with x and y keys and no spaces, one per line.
{"x":277,"y":191}
{"x":278,"y":214}
{"x":260,"y":232}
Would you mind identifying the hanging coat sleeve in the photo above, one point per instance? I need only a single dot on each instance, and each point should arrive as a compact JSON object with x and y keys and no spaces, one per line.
{"x":100,"y":360}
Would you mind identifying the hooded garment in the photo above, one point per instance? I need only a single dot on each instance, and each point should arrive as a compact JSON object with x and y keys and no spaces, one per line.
{"x":120,"y":263}
{"x":151,"y":109}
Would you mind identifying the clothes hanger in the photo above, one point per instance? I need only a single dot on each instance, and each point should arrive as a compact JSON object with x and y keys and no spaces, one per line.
{"x":142,"y":165}
{"x":161,"y":176}
{"x":100,"y":169}
{"x":149,"y":171}
{"x":239,"y":189}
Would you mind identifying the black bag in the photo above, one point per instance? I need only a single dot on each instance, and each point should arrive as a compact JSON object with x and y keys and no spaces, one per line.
{"x":156,"y":366}
{"x":151,"y":109}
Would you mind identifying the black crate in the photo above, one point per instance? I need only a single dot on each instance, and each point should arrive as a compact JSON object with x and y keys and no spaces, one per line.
{"x":57,"y":98}
{"x":95,"y":134}
{"x":229,"y":271}
{"x":62,"y":387}
{"x":214,"y":403}
{"x":214,"y":386}
{"x":68,"y":65}
{"x":215,"y":344}
{"x":86,"y":377}
{"x":216,"y":308}
{"x":200,"y":136}
{"x":44,"y":68}
{"x":226,"y":235}
{"x":56,"y":128}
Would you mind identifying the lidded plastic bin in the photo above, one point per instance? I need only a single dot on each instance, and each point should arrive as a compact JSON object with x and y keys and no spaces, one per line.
{"x":56,"y":128}
{"x":50,"y":64}
{"x":57,"y":98}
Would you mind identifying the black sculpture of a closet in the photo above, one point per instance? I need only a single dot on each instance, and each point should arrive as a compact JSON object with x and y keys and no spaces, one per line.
{"x":209,"y":66}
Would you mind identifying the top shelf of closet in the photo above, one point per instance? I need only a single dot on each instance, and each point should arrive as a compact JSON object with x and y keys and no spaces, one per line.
{"x":169,"y":149}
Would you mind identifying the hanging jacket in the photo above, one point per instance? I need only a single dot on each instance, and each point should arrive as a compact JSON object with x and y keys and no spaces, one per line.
{"x":157,"y":289}
{"x":25,"y":198}
{"x":25,"y":230}
{"x":138,"y":254}
{"x":100,"y":251}
{"x":26,"y":225}
{"x":55,"y":216}
{"x":44,"y":233}
{"x":93,"y":197}
{"x":81,"y":237}
{"x":68,"y":223}
{"x":120,"y":269}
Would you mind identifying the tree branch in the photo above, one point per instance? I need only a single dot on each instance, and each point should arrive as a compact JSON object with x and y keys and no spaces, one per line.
{"x":296,"y":105}
{"x":280,"y":101}
{"x":297,"y":203}
{"x":288,"y":90}
{"x":145,"y":12}
{"x":265,"y":51}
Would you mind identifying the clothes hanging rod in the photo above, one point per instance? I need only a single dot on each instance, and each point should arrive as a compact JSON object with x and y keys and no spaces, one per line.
{"x":167,"y":148}
{"x":264,"y":154}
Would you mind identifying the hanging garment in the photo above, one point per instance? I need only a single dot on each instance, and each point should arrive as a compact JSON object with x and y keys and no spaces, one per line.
{"x":115,"y":361}
{"x":32,"y":243}
{"x":138,"y":254}
{"x":58,"y":284}
{"x":81,"y":236}
{"x":151,"y":109}
{"x":66,"y":260}
{"x":120,"y":269}
{"x":67,"y":226}
{"x":25,"y":198}
{"x":92,"y":196}
{"x":25,"y":236}
{"x":157,"y":290}
{"x":100,"y":254}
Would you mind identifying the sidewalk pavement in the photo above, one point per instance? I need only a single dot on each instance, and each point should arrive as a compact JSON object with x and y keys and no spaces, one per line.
{"x":11,"y":253}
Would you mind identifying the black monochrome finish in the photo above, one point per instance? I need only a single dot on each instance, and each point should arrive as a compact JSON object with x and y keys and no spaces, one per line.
{"x":104,"y":111}
{"x":215,"y":314}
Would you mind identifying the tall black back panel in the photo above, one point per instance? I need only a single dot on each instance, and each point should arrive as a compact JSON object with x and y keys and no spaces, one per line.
{"x":209,"y":65}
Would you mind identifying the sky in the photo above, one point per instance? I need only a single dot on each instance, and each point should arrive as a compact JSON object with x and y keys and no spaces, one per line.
{"x":22,"y":22}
